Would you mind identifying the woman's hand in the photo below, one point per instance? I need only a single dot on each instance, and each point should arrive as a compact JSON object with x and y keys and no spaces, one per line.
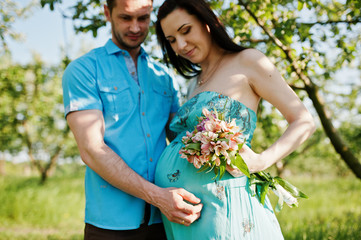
{"x":254,"y":161}
{"x":235,"y":172}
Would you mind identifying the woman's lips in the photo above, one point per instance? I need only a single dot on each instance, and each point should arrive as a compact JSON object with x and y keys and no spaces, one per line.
{"x":189,"y":53}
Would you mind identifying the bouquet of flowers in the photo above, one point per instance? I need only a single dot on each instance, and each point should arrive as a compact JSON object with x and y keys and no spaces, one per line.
{"x":215,"y":144}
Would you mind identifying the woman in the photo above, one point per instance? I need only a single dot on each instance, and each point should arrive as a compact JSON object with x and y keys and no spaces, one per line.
{"x":231,"y":79}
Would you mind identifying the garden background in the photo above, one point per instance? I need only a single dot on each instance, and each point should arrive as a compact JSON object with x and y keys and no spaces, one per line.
{"x":314,"y":44}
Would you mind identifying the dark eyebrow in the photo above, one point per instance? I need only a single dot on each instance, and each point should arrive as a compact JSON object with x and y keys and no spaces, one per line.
{"x":179,"y":29}
{"x":182,"y":26}
{"x":144,"y":16}
{"x":130,"y":16}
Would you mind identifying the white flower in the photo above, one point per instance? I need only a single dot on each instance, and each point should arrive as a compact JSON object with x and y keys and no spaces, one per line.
{"x":286,"y":196}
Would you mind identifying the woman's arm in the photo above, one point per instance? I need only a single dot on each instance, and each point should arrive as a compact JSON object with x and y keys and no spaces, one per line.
{"x":268,"y":83}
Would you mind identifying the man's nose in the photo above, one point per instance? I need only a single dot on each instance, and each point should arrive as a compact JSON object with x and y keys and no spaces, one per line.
{"x":134,"y":26}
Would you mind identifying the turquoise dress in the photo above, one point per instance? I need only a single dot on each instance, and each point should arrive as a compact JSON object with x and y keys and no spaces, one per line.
{"x":229,"y":210}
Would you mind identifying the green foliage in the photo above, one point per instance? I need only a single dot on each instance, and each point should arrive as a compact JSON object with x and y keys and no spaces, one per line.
{"x":31,"y":114}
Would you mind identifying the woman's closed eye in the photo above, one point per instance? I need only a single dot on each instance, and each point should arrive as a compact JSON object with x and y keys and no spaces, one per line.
{"x":171,"y":40}
{"x":185,"y":30}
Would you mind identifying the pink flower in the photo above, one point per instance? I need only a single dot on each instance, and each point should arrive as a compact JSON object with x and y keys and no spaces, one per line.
{"x":197,"y":162}
{"x":197,"y":137}
{"x":218,"y":140}
{"x":207,"y":148}
{"x":233,"y":145}
{"x":224,"y":126}
{"x":205,"y":112}
{"x":211,"y":136}
{"x":204,"y":158}
{"x":220,"y":147}
{"x":217,"y":161}
{"x":190,"y":159}
{"x":212,"y":126}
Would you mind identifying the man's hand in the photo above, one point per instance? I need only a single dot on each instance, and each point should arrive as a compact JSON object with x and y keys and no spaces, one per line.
{"x":178,"y":205}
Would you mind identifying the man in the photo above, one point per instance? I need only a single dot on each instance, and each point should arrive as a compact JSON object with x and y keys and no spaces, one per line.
{"x":117,"y":104}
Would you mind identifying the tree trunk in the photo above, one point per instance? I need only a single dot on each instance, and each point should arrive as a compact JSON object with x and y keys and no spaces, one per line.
{"x":2,"y":167}
{"x":332,"y":133}
{"x":50,"y":167}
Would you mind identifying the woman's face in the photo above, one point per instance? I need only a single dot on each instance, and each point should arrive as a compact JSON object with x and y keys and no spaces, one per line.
{"x":187,"y":36}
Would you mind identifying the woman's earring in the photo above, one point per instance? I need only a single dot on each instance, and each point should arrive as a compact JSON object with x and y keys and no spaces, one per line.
{"x":208,"y":29}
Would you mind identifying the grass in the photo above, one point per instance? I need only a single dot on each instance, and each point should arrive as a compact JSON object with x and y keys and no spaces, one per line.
{"x":333,"y":210}
{"x":55,"y":210}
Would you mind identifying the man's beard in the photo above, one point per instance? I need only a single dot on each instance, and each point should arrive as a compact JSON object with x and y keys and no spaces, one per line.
{"x":123,"y":43}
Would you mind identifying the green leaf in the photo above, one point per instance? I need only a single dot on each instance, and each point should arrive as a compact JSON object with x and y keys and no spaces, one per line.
{"x":223,"y":139}
{"x":241,"y":165}
{"x":265,"y":176}
{"x":194,"y":146}
{"x":264,"y":191}
{"x":299,"y":6}
{"x":240,"y":145}
{"x":203,"y":168}
{"x":216,"y":173}
{"x":222,"y":169}
{"x":254,"y":180}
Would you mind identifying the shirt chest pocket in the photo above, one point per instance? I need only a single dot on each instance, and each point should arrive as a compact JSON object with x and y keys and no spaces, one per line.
{"x":163,"y":99}
{"x":116,"y":98}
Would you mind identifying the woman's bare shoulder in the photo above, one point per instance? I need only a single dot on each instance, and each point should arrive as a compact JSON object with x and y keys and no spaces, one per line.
{"x":255,"y":59}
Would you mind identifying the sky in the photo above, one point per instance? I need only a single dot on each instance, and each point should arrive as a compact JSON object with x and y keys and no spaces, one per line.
{"x":46,"y":33}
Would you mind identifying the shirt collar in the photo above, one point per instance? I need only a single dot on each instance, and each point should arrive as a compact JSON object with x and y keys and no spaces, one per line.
{"x":112,"y":49}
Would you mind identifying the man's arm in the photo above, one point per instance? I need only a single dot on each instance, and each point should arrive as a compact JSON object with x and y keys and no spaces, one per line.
{"x":88,"y":129}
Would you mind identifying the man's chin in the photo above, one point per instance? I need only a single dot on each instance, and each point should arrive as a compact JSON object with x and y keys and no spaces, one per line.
{"x":132,"y":44}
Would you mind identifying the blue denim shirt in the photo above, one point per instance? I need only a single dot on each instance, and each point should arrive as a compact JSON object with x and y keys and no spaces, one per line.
{"x":135,"y":118}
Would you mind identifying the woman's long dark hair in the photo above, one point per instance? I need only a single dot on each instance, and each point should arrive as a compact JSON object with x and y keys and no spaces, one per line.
{"x":204,"y":13}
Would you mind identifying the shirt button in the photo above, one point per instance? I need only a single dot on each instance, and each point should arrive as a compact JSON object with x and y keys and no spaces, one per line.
{"x":151,"y":159}
{"x":133,"y":73}
{"x":148,"y":135}
{"x":143,"y":113}
{"x":142,"y":92}
{"x":115,"y":88}
{"x":165,"y":92}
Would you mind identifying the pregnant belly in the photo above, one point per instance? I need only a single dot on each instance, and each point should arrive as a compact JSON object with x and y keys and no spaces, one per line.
{"x":174,"y":171}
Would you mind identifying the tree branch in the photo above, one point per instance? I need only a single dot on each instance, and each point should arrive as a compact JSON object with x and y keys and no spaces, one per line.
{"x":331,"y":22}
{"x":313,"y":93}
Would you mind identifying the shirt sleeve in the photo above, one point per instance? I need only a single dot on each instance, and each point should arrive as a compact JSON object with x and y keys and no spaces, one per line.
{"x":80,"y":91}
